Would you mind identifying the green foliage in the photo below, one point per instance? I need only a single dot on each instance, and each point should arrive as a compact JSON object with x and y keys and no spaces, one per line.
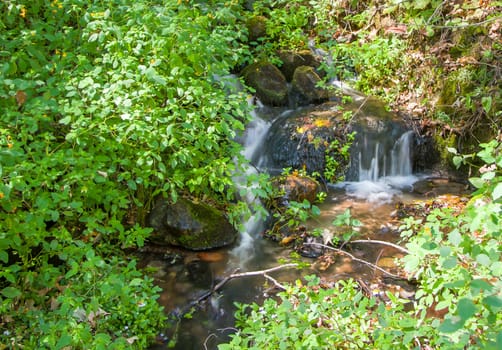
{"x":305,"y":319}
{"x":286,"y":26}
{"x":104,"y":106}
{"x":456,"y":259}
{"x":335,"y":154}
{"x":373,"y":63}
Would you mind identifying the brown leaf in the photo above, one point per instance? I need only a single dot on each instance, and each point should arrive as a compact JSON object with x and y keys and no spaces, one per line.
{"x":20,"y":98}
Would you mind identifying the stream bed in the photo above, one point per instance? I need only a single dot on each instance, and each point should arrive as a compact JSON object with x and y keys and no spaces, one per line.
{"x":186,"y":277}
{"x":382,"y":180}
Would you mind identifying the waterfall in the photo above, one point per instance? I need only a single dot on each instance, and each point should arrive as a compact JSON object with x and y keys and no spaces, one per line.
{"x":377,"y":164}
{"x":254,"y":135}
{"x":382,"y":164}
{"x":401,"y":159}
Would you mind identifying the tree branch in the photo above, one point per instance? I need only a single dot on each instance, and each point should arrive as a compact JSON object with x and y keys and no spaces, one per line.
{"x":398,"y":247}
{"x":356,"y":259}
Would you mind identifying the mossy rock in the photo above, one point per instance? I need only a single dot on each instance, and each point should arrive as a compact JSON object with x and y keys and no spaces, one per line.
{"x":257,"y":27}
{"x":305,"y":87}
{"x":291,"y":60}
{"x":269,"y":83}
{"x":190,"y":225}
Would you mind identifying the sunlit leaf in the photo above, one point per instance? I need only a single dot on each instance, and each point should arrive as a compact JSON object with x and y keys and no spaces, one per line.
{"x":11,"y":292}
{"x":497,"y":191}
{"x":466,"y":308}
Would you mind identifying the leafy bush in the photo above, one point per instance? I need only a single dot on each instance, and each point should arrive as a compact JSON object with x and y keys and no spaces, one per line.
{"x":104,"y":106}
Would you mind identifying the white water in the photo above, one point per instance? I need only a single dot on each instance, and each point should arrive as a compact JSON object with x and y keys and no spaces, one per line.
{"x":386,"y":175}
{"x":253,"y":138}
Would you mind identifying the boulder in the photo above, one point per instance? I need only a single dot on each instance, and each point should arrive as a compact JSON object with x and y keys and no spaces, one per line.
{"x":257,"y":27}
{"x":303,"y":139}
{"x":190,"y":225}
{"x":297,"y":188}
{"x":268,"y":81}
{"x":305,"y":89}
{"x":294,"y":59}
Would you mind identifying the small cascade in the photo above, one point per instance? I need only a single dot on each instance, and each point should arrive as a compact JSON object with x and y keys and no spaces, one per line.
{"x":253,"y":139}
{"x":381,"y":163}
{"x":401,"y":155}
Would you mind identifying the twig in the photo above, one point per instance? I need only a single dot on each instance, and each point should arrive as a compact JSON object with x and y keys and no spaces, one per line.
{"x":398,"y":247}
{"x":274,"y":281}
{"x":207,"y":338}
{"x":356,"y":259}
{"x":255,"y":273}
{"x":377,"y":259}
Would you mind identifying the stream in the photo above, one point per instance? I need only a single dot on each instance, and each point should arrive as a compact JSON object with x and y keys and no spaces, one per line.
{"x":381,"y":178}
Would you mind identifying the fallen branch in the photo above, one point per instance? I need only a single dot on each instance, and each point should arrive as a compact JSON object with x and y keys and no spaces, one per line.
{"x":398,"y":247}
{"x":220,"y":284}
{"x":263,"y":273}
{"x":356,"y":259}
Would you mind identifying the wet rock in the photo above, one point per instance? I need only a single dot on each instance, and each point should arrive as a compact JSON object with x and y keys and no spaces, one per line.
{"x":291,"y":60}
{"x":269,"y":83}
{"x":312,"y":248}
{"x":194,"y":226}
{"x":302,"y":140}
{"x":305,"y":89}
{"x":296,"y":188}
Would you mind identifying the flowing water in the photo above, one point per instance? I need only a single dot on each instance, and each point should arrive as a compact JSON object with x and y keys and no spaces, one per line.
{"x":381,"y":175}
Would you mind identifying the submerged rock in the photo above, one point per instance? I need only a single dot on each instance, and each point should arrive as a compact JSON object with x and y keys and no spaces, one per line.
{"x":194,"y":226}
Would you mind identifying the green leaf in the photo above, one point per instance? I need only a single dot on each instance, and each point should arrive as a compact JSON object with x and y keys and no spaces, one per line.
{"x":444,"y":251}
{"x":451,"y":325}
{"x":486,"y":102}
{"x":483,"y":259}
{"x":493,"y":301}
{"x":450,"y":262}
{"x":11,"y":292}
{"x":316,"y":211}
{"x":497,"y":191}
{"x":455,"y":238}
{"x":63,"y":341}
{"x":466,"y":308}
{"x":457,"y":161}
{"x":154,"y":77}
{"x":136,"y":282}
{"x":4,"y":256}
{"x":497,"y":268}
{"x":477,"y":182}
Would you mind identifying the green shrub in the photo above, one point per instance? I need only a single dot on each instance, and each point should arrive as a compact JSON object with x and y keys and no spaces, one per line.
{"x":105,"y":105}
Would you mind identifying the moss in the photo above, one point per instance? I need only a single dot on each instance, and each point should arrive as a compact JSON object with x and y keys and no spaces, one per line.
{"x":442,"y":144}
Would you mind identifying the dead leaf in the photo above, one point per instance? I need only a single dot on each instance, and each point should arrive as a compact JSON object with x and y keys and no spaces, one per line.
{"x":20,"y":98}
